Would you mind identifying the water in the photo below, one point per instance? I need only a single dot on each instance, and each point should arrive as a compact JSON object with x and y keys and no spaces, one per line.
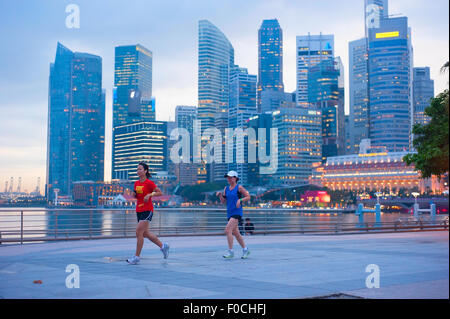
{"x":61,"y":224}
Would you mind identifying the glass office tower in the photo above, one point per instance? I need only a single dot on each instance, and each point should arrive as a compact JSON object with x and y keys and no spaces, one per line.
{"x":132,"y":95}
{"x":76,"y":121}
{"x":311,"y":50}
{"x":140,"y":142}
{"x":390,"y":84}
{"x":423,"y":92}
{"x":299,"y":144}
{"x":215,"y":59}
{"x":242,"y":108}
{"x":270,"y":58}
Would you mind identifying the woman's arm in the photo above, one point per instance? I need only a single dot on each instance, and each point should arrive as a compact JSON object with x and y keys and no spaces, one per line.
{"x":246,"y":197}
{"x":156,"y":192}
{"x":222,"y":196}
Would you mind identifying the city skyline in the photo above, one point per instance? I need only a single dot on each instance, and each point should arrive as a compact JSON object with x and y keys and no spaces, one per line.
{"x":26,"y":84}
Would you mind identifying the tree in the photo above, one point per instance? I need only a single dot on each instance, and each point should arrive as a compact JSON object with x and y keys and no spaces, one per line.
{"x":431,"y":140}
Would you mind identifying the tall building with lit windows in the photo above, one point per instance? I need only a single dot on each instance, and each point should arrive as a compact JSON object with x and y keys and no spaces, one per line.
{"x":184,"y":119}
{"x":76,"y":121}
{"x":359,"y":121}
{"x":299,"y":143}
{"x":423,"y":92}
{"x":311,"y":50}
{"x":139,"y":142}
{"x":326,"y":92}
{"x":390,"y":84}
{"x":270,"y":58}
{"x":242,"y":108}
{"x":132,"y":93}
{"x":358,"y":93}
{"x":215,"y":60}
{"x":132,"y":96}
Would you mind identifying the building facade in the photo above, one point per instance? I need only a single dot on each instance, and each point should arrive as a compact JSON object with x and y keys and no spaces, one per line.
{"x":326,"y":92}
{"x":372,"y":170}
{"x":390,"y":84}
{"x":139,"y":142}
{"x":132,"y":93}
{"x":215,"y":60}
{"x":359,"y":123}
{"x":242,"y":108}
{"x":299,"y":144}
{"x":270,"y":58}
{"x":184,"y":117}
{"x":76,"y":121}
{"x":423,"y":92}
{"x":311,"y":50}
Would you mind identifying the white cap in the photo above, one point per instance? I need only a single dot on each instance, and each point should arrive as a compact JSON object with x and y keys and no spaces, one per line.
{"x":232,"y":174}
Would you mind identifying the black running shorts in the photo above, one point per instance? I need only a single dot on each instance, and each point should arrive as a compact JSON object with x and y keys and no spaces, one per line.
{"x":144,"y":216}
{"x":238,"y":217}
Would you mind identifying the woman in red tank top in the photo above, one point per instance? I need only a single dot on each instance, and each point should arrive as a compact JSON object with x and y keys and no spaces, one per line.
{"x":144,"y":190}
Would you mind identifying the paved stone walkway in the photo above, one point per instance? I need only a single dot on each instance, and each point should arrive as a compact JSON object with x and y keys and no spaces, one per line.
{"x":411,"y":265}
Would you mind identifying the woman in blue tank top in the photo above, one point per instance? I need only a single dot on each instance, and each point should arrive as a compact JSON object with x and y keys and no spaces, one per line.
{"x":234,"y":195}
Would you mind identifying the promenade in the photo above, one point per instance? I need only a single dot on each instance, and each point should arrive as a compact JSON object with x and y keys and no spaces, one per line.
{"x":411,"y":265}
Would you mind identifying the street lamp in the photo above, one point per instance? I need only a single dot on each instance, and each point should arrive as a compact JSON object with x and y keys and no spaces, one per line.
{"x":415,"y":194}
{"x":378,"y":194}
{"x":416,"y":206}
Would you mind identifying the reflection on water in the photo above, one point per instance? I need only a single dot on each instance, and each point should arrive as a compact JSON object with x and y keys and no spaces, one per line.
{"x":94,"y":223}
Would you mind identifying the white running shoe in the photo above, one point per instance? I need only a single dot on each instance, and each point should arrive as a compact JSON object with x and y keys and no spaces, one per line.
{"x":245,"y":253}
{"x":165,"y":250}
{"x":133,"y":260}
{"x":229,"y":254}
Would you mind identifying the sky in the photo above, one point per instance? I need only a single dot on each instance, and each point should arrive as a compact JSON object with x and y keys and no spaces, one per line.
{"x":31,"y":29}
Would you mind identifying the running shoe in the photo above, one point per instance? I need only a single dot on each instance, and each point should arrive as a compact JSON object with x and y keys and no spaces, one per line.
{"x":245,"y":253}
{"x":165,"y":250}
{"x":229,"y":254}
{"x":133,"y":260}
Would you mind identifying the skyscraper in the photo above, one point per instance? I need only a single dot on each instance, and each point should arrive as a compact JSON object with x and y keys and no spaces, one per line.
{"x":311,"y":50}
{"x":264,"y":122}
{"x":423,"y":92}
{"x":270,"y":58}
{"x":242,"y":108}
{"x":132,"y":95}
{"x":215,"y":59}
{"x":140,"y":142}
{"x":76,"y":121}
{"x":299,"y":143}
{"x":359,"y":123}
{"x":325,"y":93}
{"x":132,"y":98}
{"x":184,"y":118}
{"x":390,"y":84}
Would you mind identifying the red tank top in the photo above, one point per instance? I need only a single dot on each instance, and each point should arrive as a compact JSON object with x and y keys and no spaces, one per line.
{"x":142,"y":189}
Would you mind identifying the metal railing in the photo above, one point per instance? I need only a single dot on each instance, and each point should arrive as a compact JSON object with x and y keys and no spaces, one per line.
{"x":40,"y":225}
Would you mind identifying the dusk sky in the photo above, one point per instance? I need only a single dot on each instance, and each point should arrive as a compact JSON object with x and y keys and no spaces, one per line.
{"x":30,"y":31}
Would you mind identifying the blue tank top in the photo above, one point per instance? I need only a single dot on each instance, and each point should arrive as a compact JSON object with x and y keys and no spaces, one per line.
{"x":232,"y":198}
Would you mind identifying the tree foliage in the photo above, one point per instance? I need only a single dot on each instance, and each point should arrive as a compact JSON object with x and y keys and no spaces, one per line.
{"x":431,"y":140}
